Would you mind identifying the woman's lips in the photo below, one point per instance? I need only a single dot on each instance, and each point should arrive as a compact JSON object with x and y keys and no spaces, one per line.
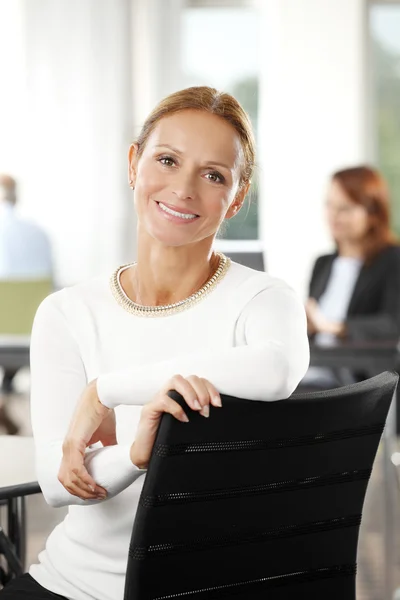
{"x":177,"y":208}
{"x":175,"y":218}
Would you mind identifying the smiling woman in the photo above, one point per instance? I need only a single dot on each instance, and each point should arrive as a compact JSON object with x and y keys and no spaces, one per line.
{"x":184,"y":317}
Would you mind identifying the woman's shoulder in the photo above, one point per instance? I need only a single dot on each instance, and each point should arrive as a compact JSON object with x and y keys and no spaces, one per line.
{"x":242,"y":276}
{"x":77,"y":298}
{"x":263,"y":296}
{"x":390,"y":253}
{"x":246,"y":283}
{"x":324,"y":259}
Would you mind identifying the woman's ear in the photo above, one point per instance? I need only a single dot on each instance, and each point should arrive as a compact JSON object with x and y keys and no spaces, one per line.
{"x":132,"y":164}
{"x":238,"y":201}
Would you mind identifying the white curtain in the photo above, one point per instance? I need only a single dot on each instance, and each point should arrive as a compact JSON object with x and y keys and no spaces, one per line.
{"x":73,"y":59}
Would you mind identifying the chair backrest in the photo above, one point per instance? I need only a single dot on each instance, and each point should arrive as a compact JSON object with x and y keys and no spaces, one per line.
{"x":260,"y":500}
{"x":19,"y":301}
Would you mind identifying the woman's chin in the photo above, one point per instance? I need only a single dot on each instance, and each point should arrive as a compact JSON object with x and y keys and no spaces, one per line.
{"x":168,"y":237}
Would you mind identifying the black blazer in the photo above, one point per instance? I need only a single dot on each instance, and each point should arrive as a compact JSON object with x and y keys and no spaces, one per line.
{"x":374,"y":309}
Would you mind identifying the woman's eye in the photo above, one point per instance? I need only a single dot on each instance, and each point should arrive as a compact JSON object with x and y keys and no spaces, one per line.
{"x":215,"y":177}
{"x":167,"y":161}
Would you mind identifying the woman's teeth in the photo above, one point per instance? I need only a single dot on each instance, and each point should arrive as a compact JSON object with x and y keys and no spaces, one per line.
{"x":175,"y":213}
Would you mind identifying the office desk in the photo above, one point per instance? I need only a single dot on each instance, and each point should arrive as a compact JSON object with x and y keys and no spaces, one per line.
{"x":372,"y":358}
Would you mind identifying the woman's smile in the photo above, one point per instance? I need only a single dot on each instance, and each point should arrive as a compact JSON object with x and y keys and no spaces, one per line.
{"x":181,"y":216}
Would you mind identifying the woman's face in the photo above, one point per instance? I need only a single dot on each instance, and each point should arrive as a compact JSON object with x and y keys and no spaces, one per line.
{"x":187,"y":178}
{"x":348,"y":221}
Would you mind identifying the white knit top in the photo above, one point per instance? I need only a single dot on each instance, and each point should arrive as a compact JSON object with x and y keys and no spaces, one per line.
{"x":247,"y":336}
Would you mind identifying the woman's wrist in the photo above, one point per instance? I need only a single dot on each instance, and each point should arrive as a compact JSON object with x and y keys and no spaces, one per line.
{"x":138,"y":461}
{"x":99,"y":406}
{"x":338,"y":329}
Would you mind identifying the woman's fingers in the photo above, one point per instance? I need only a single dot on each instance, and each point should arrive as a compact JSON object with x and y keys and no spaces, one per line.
{"x":185,"y":389}
{"x":214,"y":394}
{"x":77,"y":490}
{"x":76,"y":486}
{"x":74,"y":476}
{"x":197,"y":392}
{"x":201,"y":392}
{"x":206,"y":393}
{"x":174,"y":409}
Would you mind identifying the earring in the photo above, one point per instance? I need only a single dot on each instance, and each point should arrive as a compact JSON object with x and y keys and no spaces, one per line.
{"x":130,"y":183}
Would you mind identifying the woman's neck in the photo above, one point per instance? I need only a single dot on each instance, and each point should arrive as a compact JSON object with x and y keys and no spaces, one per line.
{"x":168,"y":275}
{"x":350,"y":249}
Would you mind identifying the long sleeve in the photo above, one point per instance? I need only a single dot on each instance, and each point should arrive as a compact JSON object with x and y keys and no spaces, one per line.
{"x":57,"y":380}
{"x":268,"y":365}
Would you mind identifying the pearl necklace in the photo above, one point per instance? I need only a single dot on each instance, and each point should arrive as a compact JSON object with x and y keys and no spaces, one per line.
{"x":167,"y":309}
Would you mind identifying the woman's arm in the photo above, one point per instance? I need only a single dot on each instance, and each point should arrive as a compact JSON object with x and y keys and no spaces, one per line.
{"x":58,"y":379}
{"x":268,"y":366}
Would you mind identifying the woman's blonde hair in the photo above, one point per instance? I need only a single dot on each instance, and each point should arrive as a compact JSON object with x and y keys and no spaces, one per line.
{"x":214,"y":102}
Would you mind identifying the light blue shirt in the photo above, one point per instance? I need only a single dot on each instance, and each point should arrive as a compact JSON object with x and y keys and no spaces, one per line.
{"x":25,"y":251}
{"x":334,"y":302}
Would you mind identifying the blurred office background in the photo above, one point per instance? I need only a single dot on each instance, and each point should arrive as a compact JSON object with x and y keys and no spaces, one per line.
{"x":319,"y":78}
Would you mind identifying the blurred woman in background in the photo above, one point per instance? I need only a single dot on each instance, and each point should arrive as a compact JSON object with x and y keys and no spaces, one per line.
{"x":354,"y":293}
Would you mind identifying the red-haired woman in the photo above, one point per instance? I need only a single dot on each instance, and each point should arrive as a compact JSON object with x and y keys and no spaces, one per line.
{"x":354,"y":293}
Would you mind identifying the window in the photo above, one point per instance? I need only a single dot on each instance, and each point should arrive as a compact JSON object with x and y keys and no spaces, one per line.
{"x":220,"y":48}
{"x":385,"y":65}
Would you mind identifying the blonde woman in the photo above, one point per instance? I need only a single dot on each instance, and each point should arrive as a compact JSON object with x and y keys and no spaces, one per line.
{"x":182,"y":317}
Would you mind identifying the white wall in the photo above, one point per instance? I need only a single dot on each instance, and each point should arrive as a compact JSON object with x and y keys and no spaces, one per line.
{"x":312,"y":122}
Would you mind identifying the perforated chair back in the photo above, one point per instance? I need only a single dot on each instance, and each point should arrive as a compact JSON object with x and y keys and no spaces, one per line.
{"x":262,"y":500}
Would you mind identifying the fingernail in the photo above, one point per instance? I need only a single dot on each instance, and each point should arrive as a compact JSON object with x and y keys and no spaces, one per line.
{"x":91,"y":488}
{"x":184,"y":419}
{"x":102,"y":497}
{"x":197,"y":404}
{"x":205,"y":411}
{"x":217,"y":401}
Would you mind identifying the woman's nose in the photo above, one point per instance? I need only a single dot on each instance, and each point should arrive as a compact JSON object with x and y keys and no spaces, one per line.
{"x":184,"y":186}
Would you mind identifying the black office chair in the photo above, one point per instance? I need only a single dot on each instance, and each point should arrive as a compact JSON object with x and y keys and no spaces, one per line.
{"x":263,"y":500}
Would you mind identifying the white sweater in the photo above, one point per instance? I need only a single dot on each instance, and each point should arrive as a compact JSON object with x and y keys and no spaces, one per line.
{"x":248,"y":337}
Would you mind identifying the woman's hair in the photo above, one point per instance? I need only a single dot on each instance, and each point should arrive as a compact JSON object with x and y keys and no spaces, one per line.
{"x":214,"y":102}
{"x":366,"y":187}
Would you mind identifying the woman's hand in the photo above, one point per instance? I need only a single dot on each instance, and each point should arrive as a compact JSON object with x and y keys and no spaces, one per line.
{"x":197,"y":392}
{"x":317,"y":323}
{"x":310,"y":311}
{"x":92,"y":422}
